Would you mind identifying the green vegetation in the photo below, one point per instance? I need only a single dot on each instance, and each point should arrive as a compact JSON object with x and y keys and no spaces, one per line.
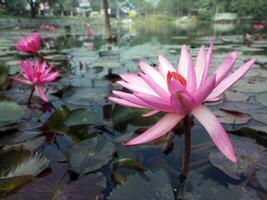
{"x":205,"y":9}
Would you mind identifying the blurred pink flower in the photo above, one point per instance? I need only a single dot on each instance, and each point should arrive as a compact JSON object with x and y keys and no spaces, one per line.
{"x":181,"y":92}
{"x":89,"y":31}
{"x":37,"y":75}
{"x":29,"y":44}
{"x":47,"y":27}
{"x":258,"y":26}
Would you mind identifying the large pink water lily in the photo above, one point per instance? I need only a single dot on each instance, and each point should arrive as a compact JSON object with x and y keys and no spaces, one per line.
{"x":180,"y":93}
{"x":37,"y":75}
{"x":29,"y":44}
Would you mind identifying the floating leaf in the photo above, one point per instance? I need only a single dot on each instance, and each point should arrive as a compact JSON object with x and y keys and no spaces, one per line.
{"x":128,"y":163}
{"x":90,"y":155}
{"x":243,"y":193}
{"x":232,"y":117}
{"x":256,"y":111}
{"x":12,"y":184}
{"x":154,"y":186}
{"x":250,"y":157}
{"x":123,"y":116}
{"x":56,"y":121}
{"x":79,"y":117}
{"x":262,"y":178}
{"x":10,"y":112}
{"x":200,"y":188}
{"x":262,"y":98}
{"x":25,"y":163}
{"x":57,"y":186}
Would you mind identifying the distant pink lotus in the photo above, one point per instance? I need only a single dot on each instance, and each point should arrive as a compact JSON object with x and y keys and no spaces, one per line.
{"x":89,"y":31}
{"x":29,"y":44}
{"x":47,"y":27}
{"x":37,"y":75}
{"x":258,"y":26}
{"x":180,"y":93}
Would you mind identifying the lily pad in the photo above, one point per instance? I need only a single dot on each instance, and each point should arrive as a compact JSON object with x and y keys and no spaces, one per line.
{"x":10,"y":185}
{"x":200,"y":188}
{"x":57,"y":186}
{"x":243,"y":193}
{"x":10,"y":112}
{"x":232,"y":117}
{"x":262,"y":98}
{"x":155,"y":185}
{"x":262,"y":178}
{"x":56,"y":121}
{"x":90,"y":155}
{"x":25,"y":163}
{"x":79,"y":117}
{"x":250,"y":158}
{"x":256,"y":111}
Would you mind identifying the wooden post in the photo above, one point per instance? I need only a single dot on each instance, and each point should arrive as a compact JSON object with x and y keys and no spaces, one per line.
{"x":107,"y":22}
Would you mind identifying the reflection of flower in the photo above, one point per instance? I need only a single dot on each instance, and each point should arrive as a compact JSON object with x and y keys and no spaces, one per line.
{"x":29,"y":44}
{"x":37,"y":75}
{"x":180,"y":93}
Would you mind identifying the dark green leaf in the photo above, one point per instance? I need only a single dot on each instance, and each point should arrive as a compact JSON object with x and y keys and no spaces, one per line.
{"x":128,"y":163}
{"x":10,"y":112}
{"x":79,"y":117}
{"x":90,"y":155}
{"x":56,"y":121}
{"x":18,"y":161}
{"x":155,"y":185}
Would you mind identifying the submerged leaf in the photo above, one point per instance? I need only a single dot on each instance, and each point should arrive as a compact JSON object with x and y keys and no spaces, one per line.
{"x":18,"y":161}
{"x":154,"y":185}
{"x":90,"y":155}
{"x":250,"y":158}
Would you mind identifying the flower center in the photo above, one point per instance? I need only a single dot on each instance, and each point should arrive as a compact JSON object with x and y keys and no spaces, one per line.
{"x":176,"y":76}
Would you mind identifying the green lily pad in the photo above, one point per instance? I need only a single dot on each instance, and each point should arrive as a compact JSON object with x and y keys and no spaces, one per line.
{"x":155,"y":185}
{"x":90,"y":155}
{"x":58,"y":186}
{"x":56,"y":121}
{"x":25,"y":163}
{"x":79,"y":117}
{"x":10,"y":112}
{"x":128,"y":163}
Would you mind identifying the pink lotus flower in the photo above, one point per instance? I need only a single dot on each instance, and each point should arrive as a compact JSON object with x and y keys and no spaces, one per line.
{"x":180,"y":93}
{"x":29,"y":44}
{"x":37,"y":75}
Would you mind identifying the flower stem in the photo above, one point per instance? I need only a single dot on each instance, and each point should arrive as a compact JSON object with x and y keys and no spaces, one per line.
{"x":187,"y":148}
{"x":30,"y":97}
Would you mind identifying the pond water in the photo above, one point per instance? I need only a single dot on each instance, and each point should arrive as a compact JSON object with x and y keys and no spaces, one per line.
{"x":72,"y":147}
